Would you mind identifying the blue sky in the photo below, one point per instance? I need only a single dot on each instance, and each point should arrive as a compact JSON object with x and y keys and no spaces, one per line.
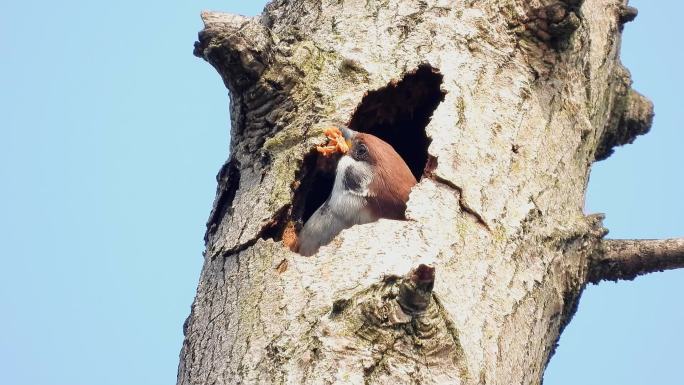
{"x":112,"y":133}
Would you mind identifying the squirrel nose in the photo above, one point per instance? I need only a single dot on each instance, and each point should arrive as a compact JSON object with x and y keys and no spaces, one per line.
{"x":347,"y":133}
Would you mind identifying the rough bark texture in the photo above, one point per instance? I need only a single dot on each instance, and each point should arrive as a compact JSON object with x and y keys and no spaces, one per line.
{"x":526,"y":96}
{"x":627,"y":259}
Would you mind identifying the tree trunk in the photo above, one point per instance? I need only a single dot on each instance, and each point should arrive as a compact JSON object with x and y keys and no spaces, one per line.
{"x":499,"y":107}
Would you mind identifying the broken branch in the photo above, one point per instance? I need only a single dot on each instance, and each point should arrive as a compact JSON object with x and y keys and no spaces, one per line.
{"x":629,"y":258}
{"x":415,"y":290}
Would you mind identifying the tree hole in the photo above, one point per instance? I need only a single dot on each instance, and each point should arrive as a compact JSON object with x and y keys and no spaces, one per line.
{"x":317,"y":185}
{"x":398,"y":114}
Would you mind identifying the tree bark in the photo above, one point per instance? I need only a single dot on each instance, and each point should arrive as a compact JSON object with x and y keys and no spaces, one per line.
{"x":627,"y":259}
{"x":500,"y":107}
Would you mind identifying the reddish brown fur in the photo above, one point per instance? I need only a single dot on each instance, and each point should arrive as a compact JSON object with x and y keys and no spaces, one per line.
{"x":392,"y":181}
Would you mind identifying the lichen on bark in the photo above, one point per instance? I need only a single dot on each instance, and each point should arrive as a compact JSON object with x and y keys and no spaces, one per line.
{"x":506,"y":148}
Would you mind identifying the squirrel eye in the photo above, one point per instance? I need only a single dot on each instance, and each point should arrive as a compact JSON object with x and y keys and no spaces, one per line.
{"x":361,"y":150}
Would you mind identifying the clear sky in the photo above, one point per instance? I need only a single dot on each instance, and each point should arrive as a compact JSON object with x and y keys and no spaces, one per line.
{"x":112,"y":133}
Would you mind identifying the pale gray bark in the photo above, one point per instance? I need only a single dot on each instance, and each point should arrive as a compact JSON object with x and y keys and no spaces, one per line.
{"x":531,"y":93}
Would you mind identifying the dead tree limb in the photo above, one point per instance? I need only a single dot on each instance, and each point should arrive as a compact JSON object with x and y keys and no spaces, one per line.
{"x":618,"y":259}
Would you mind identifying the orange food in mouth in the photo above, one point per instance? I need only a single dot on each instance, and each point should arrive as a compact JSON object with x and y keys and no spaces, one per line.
{"x":336,"y":142}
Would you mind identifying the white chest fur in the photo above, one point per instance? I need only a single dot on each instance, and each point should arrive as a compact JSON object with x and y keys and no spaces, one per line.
{"x":350,"y":203}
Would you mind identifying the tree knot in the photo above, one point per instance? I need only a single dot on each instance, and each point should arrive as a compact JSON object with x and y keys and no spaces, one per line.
{"x":553,"y":24}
